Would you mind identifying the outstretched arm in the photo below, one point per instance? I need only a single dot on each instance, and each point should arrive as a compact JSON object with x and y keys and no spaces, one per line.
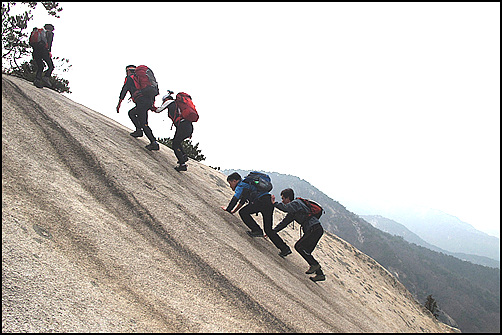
{"x":231,"y":205}
{"x":283,"y":224}
{"x":164,"y":106}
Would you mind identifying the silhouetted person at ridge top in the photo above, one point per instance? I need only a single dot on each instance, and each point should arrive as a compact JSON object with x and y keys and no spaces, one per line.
{"x":41,"y":42}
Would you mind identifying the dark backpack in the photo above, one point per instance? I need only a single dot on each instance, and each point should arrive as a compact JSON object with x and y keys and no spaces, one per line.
{"x":186,"y":106}
{"x":314,"y":208}
{"x":145,"y":82}
{"x":38,"y":38}
{"x":260,"y":181}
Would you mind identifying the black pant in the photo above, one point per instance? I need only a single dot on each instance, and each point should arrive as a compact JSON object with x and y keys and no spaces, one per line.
{"x":41,"y":55}
{"x":184,"y":130}
{"x":264,"y":206}
{"x":306,"y":244}
{"x":139,"y":116}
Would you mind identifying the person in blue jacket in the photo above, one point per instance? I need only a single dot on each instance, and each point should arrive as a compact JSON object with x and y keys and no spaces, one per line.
{"x":256,"y":203}
{"x":297,"y":210}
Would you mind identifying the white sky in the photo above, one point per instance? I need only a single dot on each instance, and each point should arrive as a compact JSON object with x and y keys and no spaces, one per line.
{"x":376,"y":104}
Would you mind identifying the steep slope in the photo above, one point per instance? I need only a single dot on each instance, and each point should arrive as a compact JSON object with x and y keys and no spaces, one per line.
{"x":469,"y":293}
{"x":101,"y":235}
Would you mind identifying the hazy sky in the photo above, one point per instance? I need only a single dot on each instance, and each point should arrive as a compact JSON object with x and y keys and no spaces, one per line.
{"x":375,"y":104}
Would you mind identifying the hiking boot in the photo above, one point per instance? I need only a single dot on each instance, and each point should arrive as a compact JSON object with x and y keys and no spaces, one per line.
{"x":257,"y":233}
{"x":284,"y":253}
{"x":313,"y":268}
{"x":46,"y":82}
{"x":185,"y":159}
{"x":38,"y":83}
{"x":137,"y":133}
{"x":181,"y":167}
{"x":152,"y":146}
{"x":318,"y":277}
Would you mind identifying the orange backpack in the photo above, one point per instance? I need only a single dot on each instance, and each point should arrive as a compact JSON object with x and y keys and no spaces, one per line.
{"x":314,"y":208}
{"x":145,"y":82}
{"x":186,"y":106}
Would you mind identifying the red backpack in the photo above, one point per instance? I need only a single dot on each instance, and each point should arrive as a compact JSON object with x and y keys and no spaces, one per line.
{"x":314,"y":208}
{"x":186,"y":106}
{"x":38,"y":38}
{"x":145,"y":82}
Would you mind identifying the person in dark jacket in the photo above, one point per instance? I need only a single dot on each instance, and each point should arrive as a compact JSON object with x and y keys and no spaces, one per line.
{"x":311,"y":226}
{"x":258,"y":203}
{"x":138,"y":114}
{"x":42,"y":53}
{"x":184,"y":129}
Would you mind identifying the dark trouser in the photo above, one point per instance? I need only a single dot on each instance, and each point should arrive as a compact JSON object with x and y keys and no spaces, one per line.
{"x":40,"y":56}
{"x":306,"y":244}
{"x":264,"y":206}
{"x":139,"y":116}
{"x":184,"y":130}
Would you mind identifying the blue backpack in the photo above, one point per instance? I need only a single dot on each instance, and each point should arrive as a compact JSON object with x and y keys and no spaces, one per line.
{"x":260,"y":181}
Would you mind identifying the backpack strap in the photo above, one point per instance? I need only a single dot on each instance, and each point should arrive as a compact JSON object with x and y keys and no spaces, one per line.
{"x":174,"y":114}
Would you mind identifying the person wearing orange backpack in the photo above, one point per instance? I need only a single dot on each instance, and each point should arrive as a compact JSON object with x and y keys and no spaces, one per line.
{"x":41,"y":42}
{"x":182,"y":122}
{"x":298,"y":209}
{"x":138,"y":114}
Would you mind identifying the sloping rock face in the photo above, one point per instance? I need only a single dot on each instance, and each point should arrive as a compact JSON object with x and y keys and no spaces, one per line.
{"x":101,"y":235}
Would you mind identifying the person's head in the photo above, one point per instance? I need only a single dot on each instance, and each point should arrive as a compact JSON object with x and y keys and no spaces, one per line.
{"x":287,"y":196}
{"x":130,"y":69}
{"x":49,"y":27}
{"x":233,"y":180}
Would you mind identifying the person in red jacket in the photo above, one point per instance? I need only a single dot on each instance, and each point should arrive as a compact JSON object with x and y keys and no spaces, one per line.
{"x":139,"y":114}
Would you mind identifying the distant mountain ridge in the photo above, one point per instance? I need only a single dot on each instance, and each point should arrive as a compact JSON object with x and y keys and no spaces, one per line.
{"x":395,"y":228}
{"x":445,"y":231}
{"x":467,"y":292}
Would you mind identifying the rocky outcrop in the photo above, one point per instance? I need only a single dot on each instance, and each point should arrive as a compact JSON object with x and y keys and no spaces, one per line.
{"x":101,"y":235}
